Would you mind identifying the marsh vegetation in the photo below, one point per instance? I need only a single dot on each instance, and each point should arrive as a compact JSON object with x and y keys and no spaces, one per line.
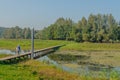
{"x":90,"y":63}
{"x":84,"y":59}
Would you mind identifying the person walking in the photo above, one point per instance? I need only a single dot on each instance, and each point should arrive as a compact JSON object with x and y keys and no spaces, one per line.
{"x":18,"y":49}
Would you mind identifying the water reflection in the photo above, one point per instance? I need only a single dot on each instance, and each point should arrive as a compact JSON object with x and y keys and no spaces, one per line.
{"x":46,"y":59}
{"x":5,"y":51}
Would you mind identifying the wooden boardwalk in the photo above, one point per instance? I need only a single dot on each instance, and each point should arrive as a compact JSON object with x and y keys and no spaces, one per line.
{"x":27,"y":55}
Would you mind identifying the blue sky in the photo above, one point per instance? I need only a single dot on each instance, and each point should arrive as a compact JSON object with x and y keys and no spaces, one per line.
{"x":41,"y":13}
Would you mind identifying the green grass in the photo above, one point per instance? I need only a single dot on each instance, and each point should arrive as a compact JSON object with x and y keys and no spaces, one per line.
{"x":91,"y":46}
{"x":4,"y":55}
{"x":15,"y":72}
{"x":33,"y":70}
{"x":69,"y":45}
{"x":26,"y":44}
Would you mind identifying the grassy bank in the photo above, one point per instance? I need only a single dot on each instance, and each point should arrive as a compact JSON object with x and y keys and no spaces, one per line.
{"x":26,"y":44}
{"x":33,"y":70}
{"x":91,"y":46}
{"x":69,"y":45}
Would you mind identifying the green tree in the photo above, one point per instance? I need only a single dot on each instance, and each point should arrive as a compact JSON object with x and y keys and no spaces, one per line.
{"x":26,"y":33}
{"x":18,"y":32}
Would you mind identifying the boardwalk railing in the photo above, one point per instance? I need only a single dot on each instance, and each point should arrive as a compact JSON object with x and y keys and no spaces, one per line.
{"x":37,"y":54}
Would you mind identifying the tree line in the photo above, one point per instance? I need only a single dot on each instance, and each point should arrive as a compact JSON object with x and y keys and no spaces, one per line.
{"x":97,"y":28}
{"x":2,"y":29}
{"x":16,"y":33}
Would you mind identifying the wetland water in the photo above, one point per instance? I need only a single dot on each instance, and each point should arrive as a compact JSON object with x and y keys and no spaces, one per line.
{"x":82,"y":63}
{"x":94,"y":64}
{"x":5,"y":51}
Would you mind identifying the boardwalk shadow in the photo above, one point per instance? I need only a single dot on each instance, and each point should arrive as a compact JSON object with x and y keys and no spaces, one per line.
{"x":14,"y":61}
